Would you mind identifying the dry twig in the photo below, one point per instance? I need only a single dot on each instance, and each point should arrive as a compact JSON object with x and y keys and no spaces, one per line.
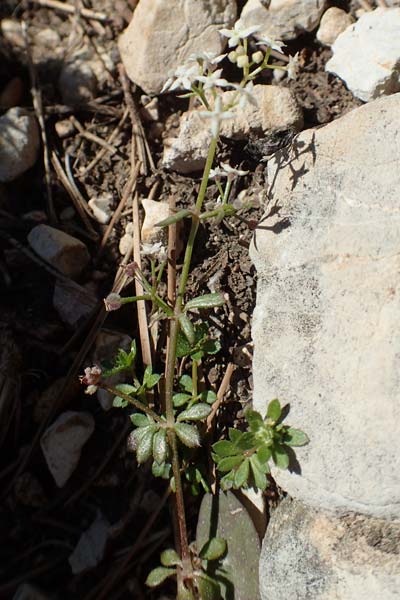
{"x":87,"y":13}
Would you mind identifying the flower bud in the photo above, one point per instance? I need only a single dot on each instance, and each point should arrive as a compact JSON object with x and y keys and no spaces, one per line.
{"x":232,"y":56}
{"x":112,"y":302}
{"x":257,"y":57}
{"x":243,"y":61}
{"x":240,"y":51}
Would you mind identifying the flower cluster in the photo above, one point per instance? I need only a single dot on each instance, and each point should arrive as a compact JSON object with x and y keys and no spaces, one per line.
{"x":91,"y":378}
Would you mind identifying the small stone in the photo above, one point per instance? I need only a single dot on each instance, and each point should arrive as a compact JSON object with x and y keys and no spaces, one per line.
{"x":47,"y":400}
{"x":64,"y":128}
{"x":28,"y":491}
{"x":12,"y":33}
{"x":333,"y":22}
{"x":12,"y":92}
{"x":73,"y":303}
{"x":64,"y":252}
{"x":367,"y":55}
{"x":77,"y":82}
{"x":91,"y":546}
{"x":283,"y":19}
{"x":150,"y":111}
{"x":163,"y":35}
{"x":154,"y":212}
{"x":310,"y":553}
{"x":101,"y":207}
{"x":125,"y":243}
{"x":63,"y":441}
{"x":19,"y":143}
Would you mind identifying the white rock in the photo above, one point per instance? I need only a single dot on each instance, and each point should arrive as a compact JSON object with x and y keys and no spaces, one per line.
{"x":276,"y":110}
{"x":325,"y":328}
{"x":89,"y":551}
{"x":162,"y":35}
{"x":77,"y":82}
{"x":125,"y":243}
{"x":333,"y":22}
{"x":309,"y":554}
{"x":73,"y":303}
{"x":106,"y":348}
{"x":154,"y":212}
{"x":101,"y":207}
{"x":284,"y":19}
{"x":66,"y":253}
{"x":63,"y":441}
{"x":19,"y":143}
{"x":367,"y":55}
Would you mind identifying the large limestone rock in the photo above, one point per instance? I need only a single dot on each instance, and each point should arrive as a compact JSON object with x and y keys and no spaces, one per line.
{"x":325,"y":327}
{"x":283,"y":19}
{"x":162,"y":35}
{"x":334,"y":21}
{"x":367,"y":55}
{"x":311,"y":555}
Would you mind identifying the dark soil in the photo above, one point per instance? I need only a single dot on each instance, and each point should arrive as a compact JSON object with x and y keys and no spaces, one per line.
{"x":41,"y":524}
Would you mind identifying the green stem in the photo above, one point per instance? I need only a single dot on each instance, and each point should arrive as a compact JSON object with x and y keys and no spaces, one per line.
{"x":195,"y":224}
{"x":136,"y":403}
{"x":194,"y":377}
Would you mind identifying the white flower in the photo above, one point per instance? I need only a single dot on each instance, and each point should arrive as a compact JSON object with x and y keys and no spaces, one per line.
{"x":273,"y":44}
{"x":156,"y":250}
{"x":293,"y":66}
{"x":207,"y":59}
{"x":246,"y":94}
{"x":217,"y":115}
{"x":238,"y":32}
{"x":184,"y":77}
{"x":226,"y":170}
{"x":213,"y":80}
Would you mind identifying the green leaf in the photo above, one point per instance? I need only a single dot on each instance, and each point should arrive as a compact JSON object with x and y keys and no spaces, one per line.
{"x":247,"y":441}
{"x":229,"y":462}
{"x":264,"y":454}
{"x":126,"y":388}
{"x":227,"y":481}
{"x":274,"y":410}
{"x":150,"y":379}
{"x":145,"y":446}
{"x":295,"y":437}
{"x":208,"y":396}
{"x":206,"y":301}
{"x":280,"y":457}
{"x":123,"y":361}
{"x":162,"y":470}
{"x":188,"y":434}
{"x":213,"y":549}
{"x":183,"y":347}
{"x":242,"y":474}
{"x":187,"y":328}
{"x":181,"y":399}
{"x":234,"y":434}
{"x":170,"y":558}
{"x":158,"y":575}
{"x":260,"y":479}
{"x":178,"y":216}
{"x":139,"y":420}
{"x":197,"y":412}
{"x":186,"y":383}
{"x":160,"y":446}
{"x":224,"y":448}
{"x":209,"y":588}
{"x":254,"y":419}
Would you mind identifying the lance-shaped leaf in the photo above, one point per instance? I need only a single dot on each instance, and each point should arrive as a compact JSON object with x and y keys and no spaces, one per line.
{"x":178,"y":216}
{"x":150,"y":379}
{"x":242,"y":474}
{"x":145,"y":444}
{"x":160,"y":446}
{"x":280,"y":457}
{"x":229,"y":462}
{"x":274,"y":410}
{"x":170,"y":558}
{"x":213,"y":549}
{"x":188,"y":434}
{"x":197,"y":412}
{"x":206,"y":301}
{"x":224,"y":448}
{"x":158,"y":575}
{"x":187,"y":327}
{"x":180,"y":399}
{"x":259,"y":477}
{"x":295,"y":437}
